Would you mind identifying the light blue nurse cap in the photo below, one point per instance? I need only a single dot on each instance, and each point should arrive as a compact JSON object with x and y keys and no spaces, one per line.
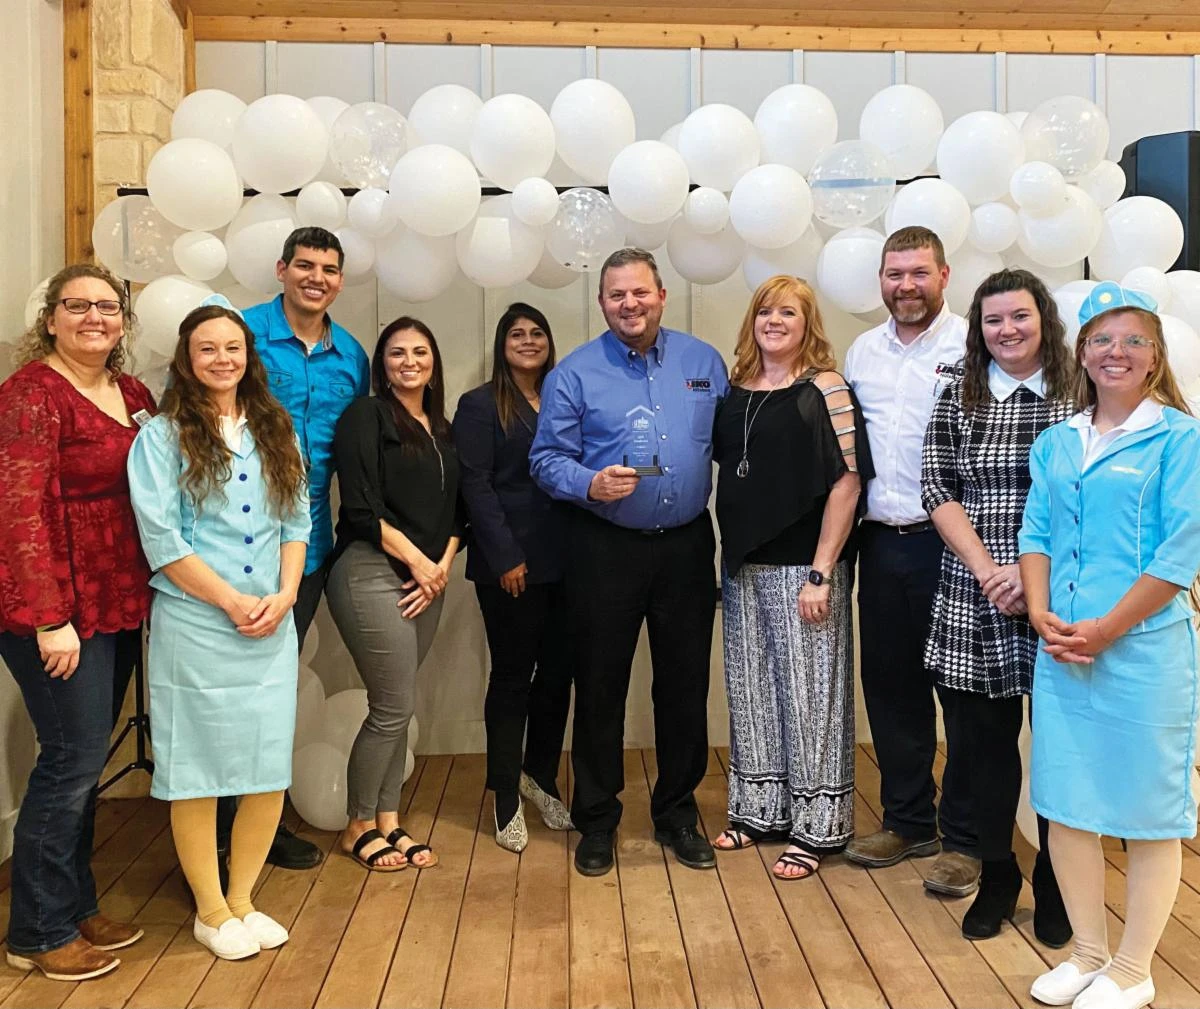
{"x":1107,"y":296}
{"x":222,"y":301}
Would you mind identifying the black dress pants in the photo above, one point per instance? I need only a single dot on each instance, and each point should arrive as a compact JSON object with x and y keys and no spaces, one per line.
{"x":529,"y":690}
{"x":898,"y":576}
{"x":617,"y":579}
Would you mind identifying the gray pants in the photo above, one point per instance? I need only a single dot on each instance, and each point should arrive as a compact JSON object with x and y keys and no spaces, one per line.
{"x":362,"y":592}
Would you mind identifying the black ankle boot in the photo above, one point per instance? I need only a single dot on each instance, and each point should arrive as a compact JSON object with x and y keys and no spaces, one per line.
{"x":1050,"y":922}
{"x":999,"y":887}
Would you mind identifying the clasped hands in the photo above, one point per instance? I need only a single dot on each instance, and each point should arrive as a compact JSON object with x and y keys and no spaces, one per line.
{"x":428,"y":581}
{"x":1079,"y":642}
{"x":1003,"y":588}
{"x":258,"y":616}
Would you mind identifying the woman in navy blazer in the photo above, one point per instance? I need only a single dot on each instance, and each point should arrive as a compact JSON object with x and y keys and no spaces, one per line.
{"x":515,"y":559}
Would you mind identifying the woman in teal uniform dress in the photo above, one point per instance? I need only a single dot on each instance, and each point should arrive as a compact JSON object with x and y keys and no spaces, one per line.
{"x":1109,"y":546}
{"x":218,"y":489}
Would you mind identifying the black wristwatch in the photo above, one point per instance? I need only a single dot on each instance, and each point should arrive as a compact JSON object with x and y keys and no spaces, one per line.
{"x":815,"y":577}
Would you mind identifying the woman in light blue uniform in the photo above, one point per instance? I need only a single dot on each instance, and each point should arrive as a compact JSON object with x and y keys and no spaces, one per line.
{"x":219,"y":493}
{"x":1109,"y":546}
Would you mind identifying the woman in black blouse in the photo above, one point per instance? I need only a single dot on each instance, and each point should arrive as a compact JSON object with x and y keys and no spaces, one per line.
{"x":515,"y":559}
{"x":398,"y":531}
{"x":791,"y":448}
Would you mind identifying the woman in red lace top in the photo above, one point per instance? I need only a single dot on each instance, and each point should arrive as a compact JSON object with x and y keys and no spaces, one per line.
{"x":73,"y":594}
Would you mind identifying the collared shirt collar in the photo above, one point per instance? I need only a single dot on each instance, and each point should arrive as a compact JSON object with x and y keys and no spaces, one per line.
{"x":281,"y":329}
{"x":659,"y":346}
{"x":938,"y":321}
{"x":1003,"y":385}
{"x":1146,"y":414}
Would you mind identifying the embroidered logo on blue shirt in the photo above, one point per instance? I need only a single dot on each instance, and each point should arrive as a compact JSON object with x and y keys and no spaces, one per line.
{"x":698,"y":384}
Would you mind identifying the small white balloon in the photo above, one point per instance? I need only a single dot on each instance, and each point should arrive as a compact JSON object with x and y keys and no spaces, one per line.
{"x":771,"y":206}
{"x":593,"y":123}
{"x":513,"y":140}
{"x":906,"y":123}
{"x":550,"y":274}
{"x":1053,"y":277}
{"x":704,"y":259}
{"x":585,"y":232}
{"x":978,"y":154}
{"x":1039,"y":189}
{"x":670,"y":136}
{"x":254,"y":241}
{"x":1183,"y":350}
{"x":359,"y":252}
{"x":852,"y":183}
{"x":1151,"y":281}
{"x":933,"y":204}
{"x":200,"y":255}
{"x":706,"y":210}
{"x":279,"y":144}
{"x":1065,"y":237}
{"x":414,"y":735}
{"x":1105,"y":183}
{"x":312,"y":643}
{"x":193,"y":184}
{"x":994,"y":227}
{"x":444,"y":115}
{"x":969,"y":267}
{"x":535,"y":202}
{"x":796,"y":260}
{"x":1137,"y":231}
{"x":410,"y":763}
{"x":645,"y":236}
{"x":134,"y":240}
{"x":435,"y":189}
{"x":497,"y":250}
{"x":1185,"y":296}
{"x":415,"y":267}
{"x":366,"y":141}
{"x":372,"y":212}
{"x":161,"y":307}
{"x":318,"y":789}
{"x":648,"y":182}
{"x":33,"y":308}
{"x":327,"y":110}
{"x":208,"y":114}
{"x":795,"y":124}
{"x":848,"y":270}
{"x":1070,"y":298}
{"x":321,"y":205}
{"x":719,"y":145}
{"x":1069,"y":132}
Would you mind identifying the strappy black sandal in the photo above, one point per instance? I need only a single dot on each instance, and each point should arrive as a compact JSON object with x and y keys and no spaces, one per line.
{"x":735,"y":839}
{"x":803,"y":860}
{"x":371,"y":861}
{"x":394,"y":839}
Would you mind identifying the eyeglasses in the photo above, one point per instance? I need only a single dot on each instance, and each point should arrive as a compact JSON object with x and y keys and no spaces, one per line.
{"x":79,"y":306}
{"x":1102,"y":341}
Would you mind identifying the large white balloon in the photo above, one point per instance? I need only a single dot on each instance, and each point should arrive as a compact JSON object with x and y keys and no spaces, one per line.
{"x":359,"y":251}
{"x":208,"y":114}
{"x":550,"y":274}
{"x":134,"y":240}
{"x":852,"y":184}
{"x":719,"y":145}
{"x":771,"y":206}
{"x":969,"y":267}
{"x":535,"y":202}
{"x":193,"y":184}
{"x":200,"y":255}
{"x":848,"y":270}
{"x":1137,"y":231}
{"x":161,"y":307}
{"x":994,"y":227}
{"x":1105,"y":183}
{"x":905,"y":122}
{"x":366,"y":141}
{"x":308,"y":651}
{"x":670,"y":136}
{"x":978,"y":154}
{"x":372,"y":212}
{"x":593,"y":123}
{"x":496,"y":249}
{"x":1185,"y":296}
{"x":1069,"y":132}
{"x":1053,"y":277}
{"x":1070,"y":298}
{"x":586,"y":230}
{"x":648,"y":182}
{"x":321,"y":205}
{"x":647,"y":236}
{"x":318,"y":789}
{"x":435,"y":190}
{"x":513,"y":140}
{"x":343,"y":716}
{"x":327,"y":110}
{"x":704,"y":259}
{"x":310,"y":705}
{"x":1183,"y":350}
{"x":444,"y":115}
{"x":1039,"y":189}
{"x":254,"y":241}
{"x":415,"y":267}
{"x":1150,"y":281}
{"x":1063,"y":238}
{"x":796,"y":260}
{"x":795,"y":123}
{"x":279,"y":144}
{"x":935,"y":205}
{"x":707,"y":210}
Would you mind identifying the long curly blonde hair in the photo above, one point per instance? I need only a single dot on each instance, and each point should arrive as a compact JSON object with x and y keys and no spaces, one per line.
{"x":815,"y":352}
{"x":38,"y":341}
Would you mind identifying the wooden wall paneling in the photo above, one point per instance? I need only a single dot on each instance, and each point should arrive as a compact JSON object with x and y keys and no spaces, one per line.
{"x":189,"y":54}
{"x":78,"y":131}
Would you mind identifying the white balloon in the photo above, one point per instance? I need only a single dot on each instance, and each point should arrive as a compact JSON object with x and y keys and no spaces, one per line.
{"x":410,"y":763}
{"x":513,"y":140}
{"x":648,"y":182}
{"x":310,"y":706}
{"x":1069,"y":132}
{"x":994,"y":227}
{"x":1038,"y":188}
{"x":343,"y":716}
{"x":161,"y":307}
{"x":435,"y":189}
{"x":585,"y":231}
{"x":1183,"y":350}
{"x":906,"y":123}
{"x":593,"y":122}
{"x":1017,"y":118}
{"x":327,"y":110}
{"x":1185,"y":296}
{"x":497,"y":250}
{"x":670,"y":136}
{"x":706,"y":210}
{"x":33,"y":308}
{"x":1151,"y":281}
{"x":852,"y":184}
{"x":415,"y":267}
{"x":318,"y":789}
{"x":535,"y":202}
{"x":208,"y":114}
{"x":279,"y":144}
{"x":134,"y":240}
{"x":719,"y":145}
{"x":372,"y":212}
{"x":645,"y":236}
{"x":359,"y":252}
{"x":414,"y":735}
{"x":312,"y":642}
{"x":550,"y":274}
{"x":254,"y":241}
{"x":704,"y":259}
{"x":978,"y":154}
{"x":193,"y":184}
{"x":444,"y":115}
{"x":795,"y":123}
{"x":771,"y":206}
{"x":200,"y":255}
{"x":1137,"y":231}
{"x":1053,"y":277}
{"x":969,"y":267}
{"x":366,"y":141}
{"x":321,"y":205}
{"x":848,"y":270}
{"x":1070,"y":298}
{"x":933,"y":204}
{"x":796,"y":260}
{"x":1105,"y":183}
{"x":239,"y":297}
{"x":1063,"y":238}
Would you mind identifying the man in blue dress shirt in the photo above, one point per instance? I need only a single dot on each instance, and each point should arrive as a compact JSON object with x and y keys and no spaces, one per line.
{"x":316,"y":370}
{"x":638,"y":398}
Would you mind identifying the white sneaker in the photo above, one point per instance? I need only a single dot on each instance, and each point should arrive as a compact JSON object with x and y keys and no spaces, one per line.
{"x":515,"y":834}
{"x":231,"y":941}
{"x":267,"y":932}
{"x":1061,"y":985}
{"x":554,"y":813}
{"x":1104,"y":993}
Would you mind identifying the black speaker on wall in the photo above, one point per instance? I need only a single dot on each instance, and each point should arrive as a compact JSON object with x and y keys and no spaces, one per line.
{"x":1168,"y":167}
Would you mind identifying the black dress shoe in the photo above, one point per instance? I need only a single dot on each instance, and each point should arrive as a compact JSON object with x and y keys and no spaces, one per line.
{"x":1050,"y":922}
{"x":594,"y":854}
{"x":291,"y":852}
{"x":999,"y":887}
{"x":690,"y":846}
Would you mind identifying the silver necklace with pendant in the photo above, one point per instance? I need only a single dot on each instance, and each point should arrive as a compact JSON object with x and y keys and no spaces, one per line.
{"x":743,"y":466}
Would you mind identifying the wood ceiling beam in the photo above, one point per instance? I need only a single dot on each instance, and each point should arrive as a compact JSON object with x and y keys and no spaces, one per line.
{"x":78,"y":131}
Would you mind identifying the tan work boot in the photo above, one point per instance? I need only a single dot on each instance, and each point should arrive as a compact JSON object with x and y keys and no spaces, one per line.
{"x":78,"y":960}
{"x":954,"y":874}
{"x":104,"y":933}
{"x":886,"y":847}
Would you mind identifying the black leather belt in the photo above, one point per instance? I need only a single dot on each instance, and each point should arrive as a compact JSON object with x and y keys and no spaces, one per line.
{"x":909,"y":530}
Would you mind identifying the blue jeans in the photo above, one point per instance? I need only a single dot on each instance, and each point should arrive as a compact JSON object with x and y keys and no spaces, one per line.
{"x":52,"y":884}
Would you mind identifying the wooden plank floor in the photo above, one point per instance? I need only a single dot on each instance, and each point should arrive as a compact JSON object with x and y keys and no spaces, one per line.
{"x":486,"y":929}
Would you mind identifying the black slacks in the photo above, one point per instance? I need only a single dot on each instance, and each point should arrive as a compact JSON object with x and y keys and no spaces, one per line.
{"x":617,"y":579}
{"x":898,"y":576}
{"x":529,"y":689}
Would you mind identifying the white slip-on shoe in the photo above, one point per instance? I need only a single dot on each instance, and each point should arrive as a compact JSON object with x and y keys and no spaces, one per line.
{"x":231,"y":941}
{"x":1105,"y":993}
{"x":554,"y":812}
{"x":1061,"y":985}
{"x":267,"y":932}
{"x":514,"y":835}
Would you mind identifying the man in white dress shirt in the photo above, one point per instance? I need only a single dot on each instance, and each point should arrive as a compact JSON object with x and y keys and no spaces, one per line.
{"x":898,"y":370}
